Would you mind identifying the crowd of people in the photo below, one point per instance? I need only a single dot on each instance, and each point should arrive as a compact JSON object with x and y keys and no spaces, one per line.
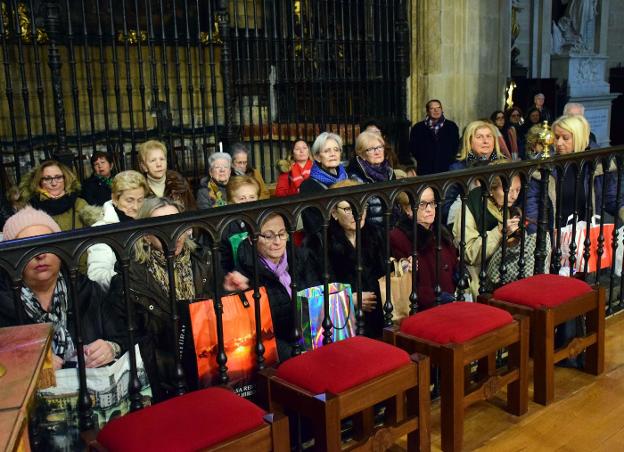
{"x":50,"y":199}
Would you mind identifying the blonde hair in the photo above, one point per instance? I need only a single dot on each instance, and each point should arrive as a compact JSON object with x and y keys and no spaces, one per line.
{"x":236,"y":182}
{"x":533,"y":135}
{"x":364,"y":141}
{"x":128,"y":180}
{"x":71,"y":182}
{"x":579,"y":128}
{"x":150,"y":145}
{"x":469,"y":133}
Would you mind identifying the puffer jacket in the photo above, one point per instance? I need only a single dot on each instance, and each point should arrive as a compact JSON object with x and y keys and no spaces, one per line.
{"x":101,"y":260}
{"x":210,"y":194}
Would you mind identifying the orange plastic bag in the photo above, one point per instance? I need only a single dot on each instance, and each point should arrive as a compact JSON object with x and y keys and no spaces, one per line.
{"x":239,"y":337}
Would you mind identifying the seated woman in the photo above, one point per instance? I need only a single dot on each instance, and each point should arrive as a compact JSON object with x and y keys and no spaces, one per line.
{"x":401,"y":243}
{"x":505,"y":135}
{"x":45,"y":298}
{"x":343,"y":258}
{"x":149,"y":291}
{"x":242,"y":167}
{"x":178,"y":189}
{"x":211,"y":191}
{"x":96,"y":190}
{"x":54,"y":188}
{"x":294,"y":170}
{"x":153,"y":163}
{"x":129,"y":189}
{"x":493,"y":225}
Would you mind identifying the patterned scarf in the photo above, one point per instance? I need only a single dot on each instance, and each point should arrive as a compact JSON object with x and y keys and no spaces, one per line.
{"x":299,"y":174}
{"x":157,"y":266}
{"x":320,"y":175}
{"x":435,"y":128}
{"x":473,"y":159}
{"x":217,"y":193}
{"x":280,"y":270}
{"x":62,"y":344}
{"x":377,"y":173}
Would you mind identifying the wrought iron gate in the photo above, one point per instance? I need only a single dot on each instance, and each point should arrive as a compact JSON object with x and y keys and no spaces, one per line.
{"x":81,"y":75}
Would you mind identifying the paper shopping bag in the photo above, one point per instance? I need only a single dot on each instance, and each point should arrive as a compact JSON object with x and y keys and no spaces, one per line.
{"x":239,"y":339}
{"x":310,"y":303}
{"x":401,"y":289}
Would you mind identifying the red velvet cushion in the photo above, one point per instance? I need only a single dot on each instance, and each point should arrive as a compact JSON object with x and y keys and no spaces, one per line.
{"x":542,"y":291}
{"x":342,"y":365}
{"x":455,"y":323}
{"x":190,"y":422}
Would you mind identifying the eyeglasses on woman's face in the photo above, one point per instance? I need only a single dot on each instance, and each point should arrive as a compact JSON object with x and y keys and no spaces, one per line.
{"x":426,"y":204}
{"x":349,"y":211}
{"x":52,"y":179}
{"x":271,"y":236}
{"x":374,"y":149}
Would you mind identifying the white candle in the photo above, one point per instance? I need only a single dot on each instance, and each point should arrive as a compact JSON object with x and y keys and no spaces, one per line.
{"x":220,"y":146}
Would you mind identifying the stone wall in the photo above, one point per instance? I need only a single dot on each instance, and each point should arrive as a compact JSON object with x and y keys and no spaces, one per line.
{"x":615,"y":38}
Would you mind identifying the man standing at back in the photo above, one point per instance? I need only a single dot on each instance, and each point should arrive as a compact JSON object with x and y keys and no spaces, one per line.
{"x":434,"y":142}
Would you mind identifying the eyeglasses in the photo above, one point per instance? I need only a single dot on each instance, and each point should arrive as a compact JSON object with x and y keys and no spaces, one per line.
{"x":424,"y":204}
{"x":50,"y":179}
{"x":271,"y":236}
{"x":349,"y":211}
{"x":375,"y":149}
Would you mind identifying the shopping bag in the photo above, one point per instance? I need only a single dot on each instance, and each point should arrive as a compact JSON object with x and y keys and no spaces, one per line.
{"x":401,"y":289}
{"x":310,"y":303}
{"x":239,"y":339}
{"x":579,"y":240}
{"x":108,"y":389}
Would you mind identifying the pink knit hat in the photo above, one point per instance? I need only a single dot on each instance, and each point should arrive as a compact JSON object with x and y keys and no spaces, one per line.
{"x":27,"y":217}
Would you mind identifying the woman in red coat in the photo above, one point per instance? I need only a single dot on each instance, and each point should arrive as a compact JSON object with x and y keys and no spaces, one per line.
{"x":294,"y":170}
{"x":401,"y":239}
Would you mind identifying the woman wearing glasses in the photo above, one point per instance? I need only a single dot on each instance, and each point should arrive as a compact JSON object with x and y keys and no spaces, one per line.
{"x":53,"y":188}
{"x":401,"y":244}
{"x":368,"y":166}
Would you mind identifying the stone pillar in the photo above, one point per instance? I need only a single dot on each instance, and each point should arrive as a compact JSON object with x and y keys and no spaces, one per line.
{"x":461,"y":55}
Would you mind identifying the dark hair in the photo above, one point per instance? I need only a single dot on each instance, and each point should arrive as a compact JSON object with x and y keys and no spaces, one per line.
{"x":371,"y":122}
{"x":528,"y":115}
{"x":100,"y":155}
{"x":432,"y":100}
{"x":509,"y":111}
{"x":178,"y":189}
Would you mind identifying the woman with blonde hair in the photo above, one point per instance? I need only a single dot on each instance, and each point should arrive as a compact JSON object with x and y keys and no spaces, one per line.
{"x":128,"y":192}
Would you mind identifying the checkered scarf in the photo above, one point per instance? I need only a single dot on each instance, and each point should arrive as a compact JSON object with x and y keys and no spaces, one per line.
{"x":435,"y":128}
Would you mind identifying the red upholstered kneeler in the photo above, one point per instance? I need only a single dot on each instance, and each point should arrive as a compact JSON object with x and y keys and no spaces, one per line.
{"x":347,"y":379}
{"x":457,"y":334}
{"x":551,"y":300}
{"x":214,"y":419}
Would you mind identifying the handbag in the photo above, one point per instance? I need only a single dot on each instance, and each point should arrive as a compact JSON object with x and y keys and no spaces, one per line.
{"x":311,"y":307}
{"x":239,"y":339}
{"x":579,"y":240}
{"x":400,"y":287}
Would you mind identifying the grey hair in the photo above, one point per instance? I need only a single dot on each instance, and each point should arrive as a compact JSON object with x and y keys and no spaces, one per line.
{"x":219,"y":156}
{"x":570,"y":105}
{"x":238,"y":148}
{"x":320,"y":141}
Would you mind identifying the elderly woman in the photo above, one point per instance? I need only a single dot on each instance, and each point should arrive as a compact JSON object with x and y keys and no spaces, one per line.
{"x":241,"y":167}
{"x":45,"y":298}
{"x":294,"y":170}
{"x":401,"y":244}
{"x":149,"y":291}
{"x":212,"y":192}
{"x":53,"y":188}
{"x":343,"y":258}
{"x":368,"y":166}
{"x":129,"y":189}
{"x":479,"y":147}
{"x":493,"y":225}
{"x":326,"y":171}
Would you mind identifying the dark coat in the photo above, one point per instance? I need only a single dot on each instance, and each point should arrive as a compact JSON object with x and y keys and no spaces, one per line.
{"x":434,"y":153}
{"x":95,"y":191}
{"x":375,"y":212}
{"x":225,"y":248}
{"x":401,"y":239}
{"x":97,"y":319}
{"x":312,"y":218}
{"x":152,"y":318}
{"x":343,"y":263}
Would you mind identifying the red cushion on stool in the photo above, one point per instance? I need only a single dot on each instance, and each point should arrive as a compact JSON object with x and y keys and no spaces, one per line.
{"x":455,"y":323}
{"x":187,"y":423}
{"x":342,"y":365}
{"x":542,"y":291}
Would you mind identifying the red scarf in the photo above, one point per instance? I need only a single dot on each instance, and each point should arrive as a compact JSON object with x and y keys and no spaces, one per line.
{"x":298,"y":174}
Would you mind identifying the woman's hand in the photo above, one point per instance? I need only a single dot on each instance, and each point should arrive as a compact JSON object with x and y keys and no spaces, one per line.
{"x":369,"y":301}
{"x":235,"y":281}
{"x":57,"y":362}
{"x":98,"y":353}
{"x":513,"y":224}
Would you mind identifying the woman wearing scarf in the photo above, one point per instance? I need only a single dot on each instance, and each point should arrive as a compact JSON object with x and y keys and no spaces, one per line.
{"x":326,"y":171}
{"x":479,"y":147}
{"x":241,"y":167}
{"x":45,"y":298}
{"x":294,"y":170}
{"x":493,"y":225}
{"x":96,"y":190}
{"x":53,"y":188}
{"x":212,"y":189}
{"x":149,"y":291}
{"x":129,"y":190}
{"x":368,"y":166}
{"x":506,"y":135}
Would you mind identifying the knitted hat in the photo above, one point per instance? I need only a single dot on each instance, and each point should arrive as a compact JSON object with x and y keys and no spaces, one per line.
{"x":27,"y":217}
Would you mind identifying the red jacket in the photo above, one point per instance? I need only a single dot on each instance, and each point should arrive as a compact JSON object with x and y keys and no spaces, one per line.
{"x":288,"y":183}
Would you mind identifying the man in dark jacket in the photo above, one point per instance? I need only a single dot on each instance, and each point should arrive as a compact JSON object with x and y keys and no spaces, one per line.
{"x":434,"y":142}
{"x":96,"y":190}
